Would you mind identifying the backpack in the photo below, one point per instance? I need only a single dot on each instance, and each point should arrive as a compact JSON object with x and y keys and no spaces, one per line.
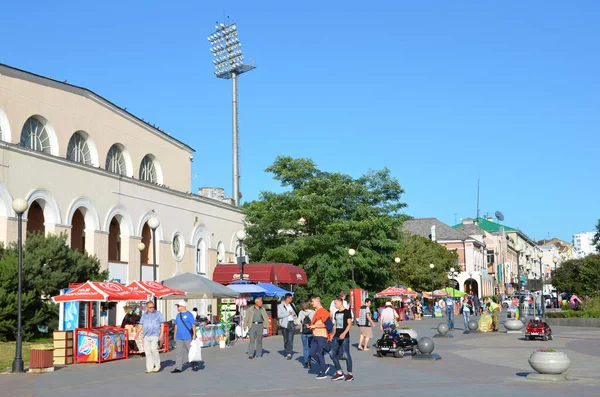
{"x":304,"y":326}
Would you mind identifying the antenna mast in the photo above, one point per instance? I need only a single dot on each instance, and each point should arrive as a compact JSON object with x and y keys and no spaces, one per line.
{"x":477,"y":217}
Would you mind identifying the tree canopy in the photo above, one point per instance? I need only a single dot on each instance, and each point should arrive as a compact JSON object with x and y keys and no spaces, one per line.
{"x":416,"y":253}
{"x":596,"y":240}
{"x":49,"y":265}
{"x":581,"y":276}
{"x":320,"y":216}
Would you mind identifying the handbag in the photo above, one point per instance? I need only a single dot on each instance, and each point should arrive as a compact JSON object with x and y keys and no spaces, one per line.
{"x":195,"y":353}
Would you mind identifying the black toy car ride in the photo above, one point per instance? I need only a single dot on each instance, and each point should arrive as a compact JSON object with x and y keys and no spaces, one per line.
{"x":538,"y":329}
{"x":396,"y":343}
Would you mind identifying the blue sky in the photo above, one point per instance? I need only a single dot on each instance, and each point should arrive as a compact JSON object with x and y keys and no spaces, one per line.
{"x":441,"y":92}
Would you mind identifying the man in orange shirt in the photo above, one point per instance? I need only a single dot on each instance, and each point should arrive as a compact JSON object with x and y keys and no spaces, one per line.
{"x":320,"y":335}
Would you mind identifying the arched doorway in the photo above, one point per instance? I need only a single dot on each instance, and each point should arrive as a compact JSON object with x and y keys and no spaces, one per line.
{"x":114,"y":240}
{"x":147,"y":240}
{"x":35,"y":219}
{"x":78,"y":231}
{"x":471,"y":287}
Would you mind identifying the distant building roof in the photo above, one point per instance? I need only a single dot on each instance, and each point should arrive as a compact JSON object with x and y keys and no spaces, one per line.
{"x":422,"y":227}
{"x":489,"y":226}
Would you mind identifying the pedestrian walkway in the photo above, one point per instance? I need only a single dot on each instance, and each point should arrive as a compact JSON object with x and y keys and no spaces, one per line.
{"x":490,"y":364}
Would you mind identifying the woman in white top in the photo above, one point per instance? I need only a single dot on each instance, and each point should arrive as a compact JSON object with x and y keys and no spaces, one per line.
{"x":304,"y":319}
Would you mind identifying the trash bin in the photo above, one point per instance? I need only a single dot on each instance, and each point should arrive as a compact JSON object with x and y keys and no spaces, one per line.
{"x":42,"y":356}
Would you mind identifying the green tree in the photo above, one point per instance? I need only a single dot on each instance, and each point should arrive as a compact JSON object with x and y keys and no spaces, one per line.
{"x":48,"y":266}
{"x":319,"y":217}
{"x":416,"y":253}
{"x":581,"y":276}
{"x":596,"y":240}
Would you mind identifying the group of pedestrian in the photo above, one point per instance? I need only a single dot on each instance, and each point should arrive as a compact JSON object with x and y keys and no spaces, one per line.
{"x":323,"y":332}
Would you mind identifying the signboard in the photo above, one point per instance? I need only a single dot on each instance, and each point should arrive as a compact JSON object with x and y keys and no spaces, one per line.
{"x":453,"y":283}
{"x":70,"y":314}
{"x":87,"y":347}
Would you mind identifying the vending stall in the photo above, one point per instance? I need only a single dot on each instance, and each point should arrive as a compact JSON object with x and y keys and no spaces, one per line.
{"x":159,"y":291}
{"x":104,"y":343}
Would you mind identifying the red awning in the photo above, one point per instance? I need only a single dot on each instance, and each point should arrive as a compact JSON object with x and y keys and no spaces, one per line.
{"x":102,"y":292}
{"x":154,"y":288}
{"x":276,"y":273}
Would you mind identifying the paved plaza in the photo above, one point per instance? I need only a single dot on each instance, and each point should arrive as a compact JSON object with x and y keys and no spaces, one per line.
{"x":477,"y":364}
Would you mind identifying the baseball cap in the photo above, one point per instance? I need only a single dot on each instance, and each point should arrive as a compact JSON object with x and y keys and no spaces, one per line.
{"x":388,"y":303}
{"x":181,"y":303}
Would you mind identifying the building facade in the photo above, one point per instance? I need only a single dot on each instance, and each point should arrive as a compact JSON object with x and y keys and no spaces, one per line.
{"x":470,"y":266}
{"x":97,"y":173}
{"x":511,"y":255}
{"x":583,"y":245}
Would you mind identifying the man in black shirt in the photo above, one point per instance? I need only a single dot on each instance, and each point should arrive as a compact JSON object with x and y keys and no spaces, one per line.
{"x":340,"y":345}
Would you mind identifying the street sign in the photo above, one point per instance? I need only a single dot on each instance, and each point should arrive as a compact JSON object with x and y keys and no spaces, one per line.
{"x":453,"y":283}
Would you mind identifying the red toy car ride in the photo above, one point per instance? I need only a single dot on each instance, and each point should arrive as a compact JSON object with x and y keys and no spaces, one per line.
{"x":538,"y":329}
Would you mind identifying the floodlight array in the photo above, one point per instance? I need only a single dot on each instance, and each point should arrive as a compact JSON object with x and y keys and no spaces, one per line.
{"x":226,"y":48}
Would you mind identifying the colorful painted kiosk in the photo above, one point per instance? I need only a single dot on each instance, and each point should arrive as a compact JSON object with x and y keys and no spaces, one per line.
{"x":99,"y":344}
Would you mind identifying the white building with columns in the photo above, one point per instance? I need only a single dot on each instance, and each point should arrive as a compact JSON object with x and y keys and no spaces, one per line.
{"x":96,"y":172}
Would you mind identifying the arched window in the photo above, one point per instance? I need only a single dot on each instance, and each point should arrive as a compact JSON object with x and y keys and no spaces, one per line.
{"x":79,"y":150}
{"x":35,"y":136}
{"x":221,"y":252}
{"x":148,"y":170}
{"x":201,"y":257}
{"x":115,"y":160}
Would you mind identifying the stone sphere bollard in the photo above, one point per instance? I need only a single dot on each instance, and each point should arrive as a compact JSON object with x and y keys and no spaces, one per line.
{"x":425,"y":345}
{"x":442,"y":328}
{"x":473,"y":325}
{"x":513,"y":325}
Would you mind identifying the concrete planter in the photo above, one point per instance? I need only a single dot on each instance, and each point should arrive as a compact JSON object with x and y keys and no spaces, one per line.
{"x":549,"y":363}
{"x":513,"y":325}
{"x":413,"y":334}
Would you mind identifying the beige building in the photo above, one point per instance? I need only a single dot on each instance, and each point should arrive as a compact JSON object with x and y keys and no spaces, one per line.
{"x":98,"y":173}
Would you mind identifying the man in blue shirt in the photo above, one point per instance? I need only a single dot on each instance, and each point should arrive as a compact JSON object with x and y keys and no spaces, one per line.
{"x":153,"y":333}
{"x":185,"y":332}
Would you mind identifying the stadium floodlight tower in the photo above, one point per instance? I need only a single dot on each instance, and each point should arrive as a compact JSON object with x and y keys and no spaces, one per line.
{"x":227,"y":50}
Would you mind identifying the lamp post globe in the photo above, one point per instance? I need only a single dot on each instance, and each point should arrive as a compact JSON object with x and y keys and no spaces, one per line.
{"x":351,"y":252}
{"x":431,"y":266}
{"x":141,"y":247}
{"x":397,"y":260}
{"x":20,"y":205}
{"x":555,"y":260}
{"x":153,"y":223}
{"x":240,"y":235}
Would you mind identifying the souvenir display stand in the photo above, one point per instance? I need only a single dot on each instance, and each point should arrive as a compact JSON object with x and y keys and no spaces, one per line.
{"x":100,"y":344}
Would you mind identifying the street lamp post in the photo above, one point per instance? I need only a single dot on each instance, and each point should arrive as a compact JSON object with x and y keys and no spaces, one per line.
{"x":519,"y":250}
{"x":20,"y":206}
{"x":540,"y":255}
{"x":154,"y":223}
{"x":397,"y":260}
{"x":431,"y":266}
{"x":241,"y":236}
{"x":555,"y":260}
{"x":470,"y":283}
{"x":351,"y":253}
{"x":141,"y":247}
{"x":452,"y":274}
